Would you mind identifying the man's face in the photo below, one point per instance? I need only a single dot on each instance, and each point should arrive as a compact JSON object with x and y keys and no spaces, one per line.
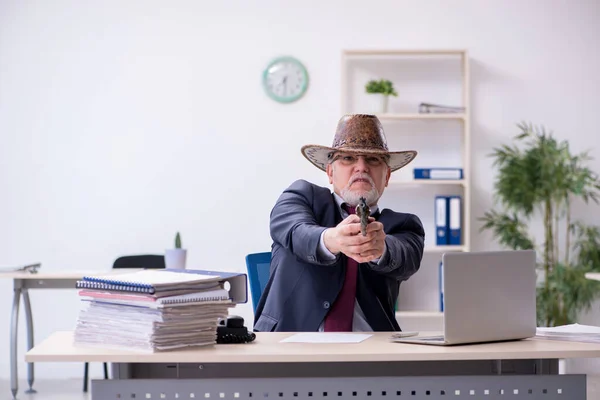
{"x":355,"y":176}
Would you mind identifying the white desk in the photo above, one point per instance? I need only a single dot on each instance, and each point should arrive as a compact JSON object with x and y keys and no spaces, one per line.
{"x":22,"y":282}
{"x":373,"y":369}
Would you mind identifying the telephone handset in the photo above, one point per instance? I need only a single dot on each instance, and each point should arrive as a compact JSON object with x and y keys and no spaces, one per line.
{"x":232,"y":330}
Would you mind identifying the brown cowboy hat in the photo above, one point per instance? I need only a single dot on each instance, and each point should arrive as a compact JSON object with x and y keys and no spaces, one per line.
{"x":358,"y":133}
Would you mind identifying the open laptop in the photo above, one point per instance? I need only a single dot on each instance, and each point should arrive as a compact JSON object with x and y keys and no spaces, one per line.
{"x":488,"y":297}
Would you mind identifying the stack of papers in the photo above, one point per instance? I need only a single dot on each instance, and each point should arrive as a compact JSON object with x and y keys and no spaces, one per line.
{"x":571,"y":332}
{"x":150,"y":311}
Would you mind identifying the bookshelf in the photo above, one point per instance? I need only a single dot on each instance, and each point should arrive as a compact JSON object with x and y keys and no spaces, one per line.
{"x":424,"y":117}
{"x":441,"y":139}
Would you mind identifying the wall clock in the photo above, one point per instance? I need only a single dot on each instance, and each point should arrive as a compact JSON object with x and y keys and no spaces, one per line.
{"x":285,"y":79}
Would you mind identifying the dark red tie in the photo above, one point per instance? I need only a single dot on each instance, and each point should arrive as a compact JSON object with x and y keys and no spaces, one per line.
{"x":339,"y":318}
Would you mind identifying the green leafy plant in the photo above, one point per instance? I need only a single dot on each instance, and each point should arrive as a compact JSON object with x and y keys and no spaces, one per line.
{"x":543,"y":180}
{"x":178,"y":241}
{"x":382,"y":86}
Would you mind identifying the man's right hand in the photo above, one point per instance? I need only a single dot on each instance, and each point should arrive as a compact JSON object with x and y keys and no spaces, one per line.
{"x":346,"y":238}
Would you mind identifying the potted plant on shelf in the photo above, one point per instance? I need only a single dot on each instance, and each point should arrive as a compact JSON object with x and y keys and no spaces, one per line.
{"x":380,"y":90}
{"x":543,"y":180}
{"x":176,"y":258}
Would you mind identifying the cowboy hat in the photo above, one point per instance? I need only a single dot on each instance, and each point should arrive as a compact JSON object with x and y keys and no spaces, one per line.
{"x":361,"y":134}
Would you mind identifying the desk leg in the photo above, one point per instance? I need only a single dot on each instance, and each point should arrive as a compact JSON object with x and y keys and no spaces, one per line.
{"x":14,"y":325}
{"x":29,"y":320}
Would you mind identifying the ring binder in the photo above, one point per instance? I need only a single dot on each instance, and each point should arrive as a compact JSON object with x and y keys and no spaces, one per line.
{"x":112,"y":286}
{"x":92,"y":279}
{"x":148,"y":281}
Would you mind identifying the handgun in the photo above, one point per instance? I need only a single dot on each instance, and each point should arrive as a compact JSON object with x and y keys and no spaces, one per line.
{"x":363,"y":211}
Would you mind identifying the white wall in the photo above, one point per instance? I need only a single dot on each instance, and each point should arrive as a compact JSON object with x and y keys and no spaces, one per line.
{"x":122,"y":122}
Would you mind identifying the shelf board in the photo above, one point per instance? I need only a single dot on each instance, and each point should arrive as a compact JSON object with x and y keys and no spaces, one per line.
{"x":422,"y":116}
{"x":420,"y":182}
{"x":402,"y":52}
{"x":442,"y":249}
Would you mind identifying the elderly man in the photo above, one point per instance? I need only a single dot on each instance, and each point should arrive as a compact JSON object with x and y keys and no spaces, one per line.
{"x":325,"y":274}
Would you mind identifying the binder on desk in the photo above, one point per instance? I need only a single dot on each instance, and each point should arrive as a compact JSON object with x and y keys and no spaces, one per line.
{"x":441,"y":220}
{"x":455,"y":220}
{"x":166,"y":282}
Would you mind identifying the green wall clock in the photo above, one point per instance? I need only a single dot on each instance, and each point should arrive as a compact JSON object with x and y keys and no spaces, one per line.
{"x":285,"y":79}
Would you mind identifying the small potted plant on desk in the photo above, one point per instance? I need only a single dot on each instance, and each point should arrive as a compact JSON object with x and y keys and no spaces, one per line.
{"x":381,"y":90}
{"x":176,"y":258}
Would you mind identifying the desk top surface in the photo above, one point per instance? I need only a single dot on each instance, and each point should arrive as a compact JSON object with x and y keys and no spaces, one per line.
{"x":66,"y":274}
{"x":267,"y":348}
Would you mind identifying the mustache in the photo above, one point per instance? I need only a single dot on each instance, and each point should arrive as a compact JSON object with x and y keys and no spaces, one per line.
{"x":357,"y":177}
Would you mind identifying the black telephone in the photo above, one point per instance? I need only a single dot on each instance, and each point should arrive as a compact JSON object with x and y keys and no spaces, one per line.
{"x":232,"y":330}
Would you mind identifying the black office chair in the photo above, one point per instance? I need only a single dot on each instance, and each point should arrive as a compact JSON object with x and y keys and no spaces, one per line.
{"x":140,"y":261}
{"x":134,"y":261}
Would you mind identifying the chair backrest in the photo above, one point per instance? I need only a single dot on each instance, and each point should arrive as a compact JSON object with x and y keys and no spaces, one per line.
{"x":258,"y":266}
{"x":140,"y":261}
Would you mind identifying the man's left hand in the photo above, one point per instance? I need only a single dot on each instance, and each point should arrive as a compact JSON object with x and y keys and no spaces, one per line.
{"x":373,"y":248}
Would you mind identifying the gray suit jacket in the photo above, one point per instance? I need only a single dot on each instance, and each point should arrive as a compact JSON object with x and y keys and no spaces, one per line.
{"x":302,"y":287}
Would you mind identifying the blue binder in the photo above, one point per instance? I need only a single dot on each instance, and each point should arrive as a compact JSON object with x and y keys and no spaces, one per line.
{"x":455,"y":220}
{"x":441,"y":220}
{"x":438,"y":173}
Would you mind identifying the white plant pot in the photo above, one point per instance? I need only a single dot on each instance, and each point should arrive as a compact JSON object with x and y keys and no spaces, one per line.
{"x":378,"y":103}
{"x":175,"y":258}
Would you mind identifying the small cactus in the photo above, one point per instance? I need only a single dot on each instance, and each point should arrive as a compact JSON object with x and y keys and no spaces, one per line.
{"x":177,"y":241}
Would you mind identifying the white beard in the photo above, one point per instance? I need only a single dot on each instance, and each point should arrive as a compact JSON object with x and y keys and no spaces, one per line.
{"x":352,"y":197}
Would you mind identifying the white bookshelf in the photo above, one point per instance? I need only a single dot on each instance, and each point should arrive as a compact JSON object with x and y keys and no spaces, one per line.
{"x":442,"y":140}
{"x":428,"y":182}
{"x":424,"y":117}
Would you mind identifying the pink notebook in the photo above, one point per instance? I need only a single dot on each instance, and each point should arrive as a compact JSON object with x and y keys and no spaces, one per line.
{"x":196,"y":297}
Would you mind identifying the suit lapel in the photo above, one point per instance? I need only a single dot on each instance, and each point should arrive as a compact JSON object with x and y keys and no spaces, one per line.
{"x":336,"y":210}
{"x":367,"y":300}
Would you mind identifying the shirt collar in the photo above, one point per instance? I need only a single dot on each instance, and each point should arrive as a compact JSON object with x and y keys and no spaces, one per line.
{"x":339,"y":201}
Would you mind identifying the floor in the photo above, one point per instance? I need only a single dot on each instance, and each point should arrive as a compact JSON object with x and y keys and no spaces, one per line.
{"x":64,"y":389}
{"x":71,"y":389}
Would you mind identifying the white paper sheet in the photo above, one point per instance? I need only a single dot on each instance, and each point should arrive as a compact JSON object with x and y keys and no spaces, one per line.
{"x":571,"y":333}
{"x":326,"y":337}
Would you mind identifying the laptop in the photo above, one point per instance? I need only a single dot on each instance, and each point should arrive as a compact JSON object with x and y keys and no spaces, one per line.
{"x":488,"y":297}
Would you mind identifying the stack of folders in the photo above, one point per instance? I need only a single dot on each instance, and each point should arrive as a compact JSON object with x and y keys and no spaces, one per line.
{"x":150,"y":310}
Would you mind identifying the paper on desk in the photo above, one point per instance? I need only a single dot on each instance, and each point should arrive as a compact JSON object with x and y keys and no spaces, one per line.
{"x":326,"y":337}
{"x":571,"y":332}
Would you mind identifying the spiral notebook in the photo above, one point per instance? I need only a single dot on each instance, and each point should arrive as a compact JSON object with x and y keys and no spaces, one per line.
{"x":219,"y":296}
{"x":150,"y":281}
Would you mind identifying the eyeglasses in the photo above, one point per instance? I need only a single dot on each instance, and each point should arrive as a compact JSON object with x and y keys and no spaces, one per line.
{"x":351,"y":159}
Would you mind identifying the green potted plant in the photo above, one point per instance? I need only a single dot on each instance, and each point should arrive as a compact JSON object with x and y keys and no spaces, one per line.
{"x":381,"y":90}
{"x":541,"y":181}
{"x":175,"y":258}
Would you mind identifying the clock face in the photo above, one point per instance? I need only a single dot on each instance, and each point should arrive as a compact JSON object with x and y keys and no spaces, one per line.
{"x":285,"y":79}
